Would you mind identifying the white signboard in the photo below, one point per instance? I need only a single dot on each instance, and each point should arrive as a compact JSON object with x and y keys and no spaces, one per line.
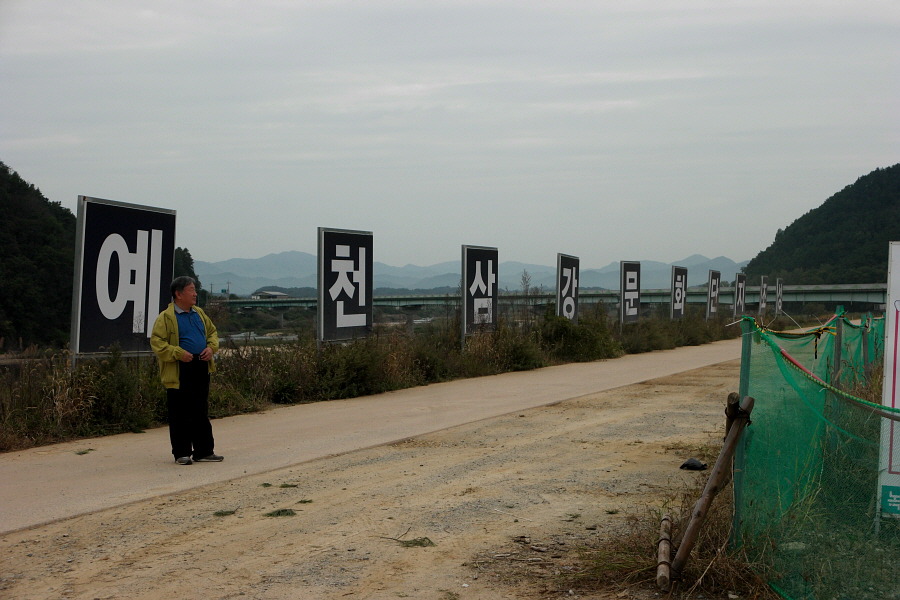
{"x":889,"y":471}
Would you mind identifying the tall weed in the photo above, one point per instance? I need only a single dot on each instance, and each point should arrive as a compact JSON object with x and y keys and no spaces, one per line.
{"x":43,"y":399}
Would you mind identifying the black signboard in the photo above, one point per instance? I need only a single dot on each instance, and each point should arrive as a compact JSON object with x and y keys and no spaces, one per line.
{"x":567,"y":275}
{"x":679,"y":291}
{"x":630,"y":295}
{"x":712,"y":294}
{"x":740,"y":294}
{"x":779,"y":296}
{"x":125,"y":256}
{"x":345,"y":284}
{"x":763,"y":293}
{"x":480,"y":293}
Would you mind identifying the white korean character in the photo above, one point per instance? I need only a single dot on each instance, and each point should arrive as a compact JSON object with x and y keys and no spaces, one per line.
{"x":344,"y":267}
{"x":483,"y":304}
{"x":632,"y":294}
{"x":679,"y":292}
{"x":893,"y":500}
{"x":570,"y":275}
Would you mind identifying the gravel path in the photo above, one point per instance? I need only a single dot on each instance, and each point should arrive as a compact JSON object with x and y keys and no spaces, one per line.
{"x":560,"y":472}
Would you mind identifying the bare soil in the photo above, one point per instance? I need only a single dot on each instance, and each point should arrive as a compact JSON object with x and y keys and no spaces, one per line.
{"x":500,"y":508}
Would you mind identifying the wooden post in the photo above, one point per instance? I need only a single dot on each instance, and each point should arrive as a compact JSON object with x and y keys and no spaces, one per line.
{"x":748,"y":331}
{"x":835,"y":378}
{"x":866,"y":328}
{"x":664,"y":554}
{"x":719,"y":474}
{"x":732,"y":409}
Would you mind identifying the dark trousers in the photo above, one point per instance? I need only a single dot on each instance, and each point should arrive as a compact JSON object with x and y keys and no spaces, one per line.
{"x":189,"y":428}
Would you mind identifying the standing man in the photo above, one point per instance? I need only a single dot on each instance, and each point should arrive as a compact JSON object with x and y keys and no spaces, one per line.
{"x":185,"y":340}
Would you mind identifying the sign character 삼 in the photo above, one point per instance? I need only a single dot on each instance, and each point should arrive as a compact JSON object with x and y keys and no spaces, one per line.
{"x":480,"y":290}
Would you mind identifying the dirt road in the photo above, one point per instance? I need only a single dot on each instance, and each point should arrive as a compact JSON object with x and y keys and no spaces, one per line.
{"x":444,"y":511}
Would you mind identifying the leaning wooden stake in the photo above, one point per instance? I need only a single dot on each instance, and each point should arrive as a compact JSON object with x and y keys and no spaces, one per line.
{"x":664,"y":554}
{"x":732,"y":410}
{"x":717,"y":478}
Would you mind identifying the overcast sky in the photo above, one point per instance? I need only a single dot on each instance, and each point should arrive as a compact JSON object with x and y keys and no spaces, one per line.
{"x":609,"y":130}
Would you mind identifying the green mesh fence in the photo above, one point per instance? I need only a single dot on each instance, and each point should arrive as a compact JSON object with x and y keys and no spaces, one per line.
{"x":806,"y":472}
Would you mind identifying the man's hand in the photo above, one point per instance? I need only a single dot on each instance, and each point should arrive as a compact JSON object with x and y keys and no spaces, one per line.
{"x":207,"y":354}
{"x":186,"y":357}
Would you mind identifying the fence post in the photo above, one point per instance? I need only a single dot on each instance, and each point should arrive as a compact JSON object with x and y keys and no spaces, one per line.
{"x":747,"y":329}
{"x":838,"y":347}
{"x":866,"y":325}
{"x":717,"y":479}
{"x":664,"y":554}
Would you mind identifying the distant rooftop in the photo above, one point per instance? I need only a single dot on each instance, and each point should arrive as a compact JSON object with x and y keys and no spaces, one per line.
{"x":266,"y":295}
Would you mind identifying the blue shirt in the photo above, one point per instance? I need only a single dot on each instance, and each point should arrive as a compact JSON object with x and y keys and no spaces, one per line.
{"x":191,"y":332}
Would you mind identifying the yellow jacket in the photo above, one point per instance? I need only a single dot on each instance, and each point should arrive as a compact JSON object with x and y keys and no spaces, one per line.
{"x":164,"y":342}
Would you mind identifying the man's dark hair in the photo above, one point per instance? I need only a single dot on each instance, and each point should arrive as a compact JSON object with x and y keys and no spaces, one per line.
{"x":179,"y":283}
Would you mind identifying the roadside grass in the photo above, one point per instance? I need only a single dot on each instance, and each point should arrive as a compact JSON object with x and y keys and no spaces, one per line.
{"x":719,"y":568}
{"x":714,"y":570}
{"x":44,"y":400}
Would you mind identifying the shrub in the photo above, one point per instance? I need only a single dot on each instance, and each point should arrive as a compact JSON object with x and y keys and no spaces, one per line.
{"x":435,"y":354}
{"x":588,"y":340}
{"x":349,"y":370}
{"x":517,"y":351}
{"x":122,"y":400}
{"x":662,"y":334}
{"x":43,"y":400}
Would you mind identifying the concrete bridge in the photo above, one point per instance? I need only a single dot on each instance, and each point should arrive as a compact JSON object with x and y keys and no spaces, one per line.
{"x":870,"y":294}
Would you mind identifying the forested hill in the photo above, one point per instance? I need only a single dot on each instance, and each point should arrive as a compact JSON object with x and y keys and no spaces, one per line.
{"x":37,"y":238}
{"x":843,"y":241}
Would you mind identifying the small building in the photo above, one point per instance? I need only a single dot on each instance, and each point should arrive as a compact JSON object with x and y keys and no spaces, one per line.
{"x":267,"y":295}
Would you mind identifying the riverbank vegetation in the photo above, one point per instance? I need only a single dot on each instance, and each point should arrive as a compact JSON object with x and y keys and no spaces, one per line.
{"x":44,"y":399}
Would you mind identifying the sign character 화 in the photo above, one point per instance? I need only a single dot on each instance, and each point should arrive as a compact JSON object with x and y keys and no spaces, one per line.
{"x":679,"y":292}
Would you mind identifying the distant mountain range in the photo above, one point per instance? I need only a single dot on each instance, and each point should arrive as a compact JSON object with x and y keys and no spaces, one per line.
{"x":243,"y":276}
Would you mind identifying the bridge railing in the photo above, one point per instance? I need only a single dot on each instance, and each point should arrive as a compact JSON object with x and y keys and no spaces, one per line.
{"x":873,"y":293}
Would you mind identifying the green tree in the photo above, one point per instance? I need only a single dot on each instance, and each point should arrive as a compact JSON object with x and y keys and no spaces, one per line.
{"x":845,"y":240}
{"x":37,"y":257}
{"x":184,"y":265}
